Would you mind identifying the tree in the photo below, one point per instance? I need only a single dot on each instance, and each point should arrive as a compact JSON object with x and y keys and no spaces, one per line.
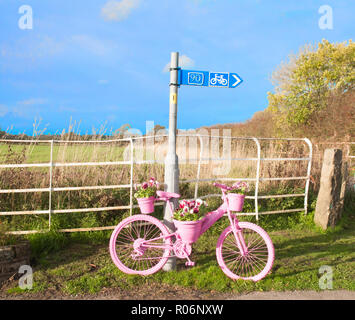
{"x":305,"y":85}
{"x":158,"y":129}
{"x":120,"y":132}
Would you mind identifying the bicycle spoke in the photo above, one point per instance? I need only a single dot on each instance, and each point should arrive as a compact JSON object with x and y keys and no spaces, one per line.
{"x":144,"y":257}
{"x":253,"y":262}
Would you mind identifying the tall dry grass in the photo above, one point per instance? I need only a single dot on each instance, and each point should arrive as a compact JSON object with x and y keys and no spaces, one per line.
{"x":188,"y":151}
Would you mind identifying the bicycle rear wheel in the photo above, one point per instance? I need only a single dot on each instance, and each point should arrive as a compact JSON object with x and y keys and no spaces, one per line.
{"x":126,"y":250}
{"x":258,"y":261}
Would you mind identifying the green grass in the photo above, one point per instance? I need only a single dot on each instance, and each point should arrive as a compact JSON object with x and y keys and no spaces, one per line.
{"x":38,"y":153}
{"x":81,"y":264}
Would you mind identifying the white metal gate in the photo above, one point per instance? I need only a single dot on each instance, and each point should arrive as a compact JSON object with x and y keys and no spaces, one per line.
{"x":131,"y":162}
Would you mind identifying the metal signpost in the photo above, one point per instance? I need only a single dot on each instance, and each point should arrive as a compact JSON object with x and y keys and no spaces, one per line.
{"x":192,"y":78}
{"x":171,"y":161}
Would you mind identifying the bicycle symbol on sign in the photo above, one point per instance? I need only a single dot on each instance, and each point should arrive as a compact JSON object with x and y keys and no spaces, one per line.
{"x":219,"y":79}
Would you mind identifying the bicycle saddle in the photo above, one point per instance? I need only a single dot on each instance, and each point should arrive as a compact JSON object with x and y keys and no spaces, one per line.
{"x":167,"y":195}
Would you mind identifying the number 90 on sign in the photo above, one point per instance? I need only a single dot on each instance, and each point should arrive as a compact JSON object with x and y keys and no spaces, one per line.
{"x":195,"y":78}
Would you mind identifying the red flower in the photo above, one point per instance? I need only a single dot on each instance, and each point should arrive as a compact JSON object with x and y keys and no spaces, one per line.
{"x":192,"y":204}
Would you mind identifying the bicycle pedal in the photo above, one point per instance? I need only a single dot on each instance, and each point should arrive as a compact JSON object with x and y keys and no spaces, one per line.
{"x":189,"y":264}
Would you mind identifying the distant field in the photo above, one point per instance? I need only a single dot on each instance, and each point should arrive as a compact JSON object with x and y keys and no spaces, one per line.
{"x":66,"y":153}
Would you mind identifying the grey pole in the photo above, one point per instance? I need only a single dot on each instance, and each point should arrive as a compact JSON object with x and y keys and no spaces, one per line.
{"x":171,"y":161}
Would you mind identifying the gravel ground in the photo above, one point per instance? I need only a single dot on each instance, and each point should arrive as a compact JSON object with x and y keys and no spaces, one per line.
{"x":171,"y":293}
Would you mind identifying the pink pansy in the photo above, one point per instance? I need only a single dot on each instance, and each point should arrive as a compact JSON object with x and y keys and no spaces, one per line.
{"x":236,"y":185}
{"x":199,"y":202}
{"x":144,"y":185}
{"x":244,"y":185}
{"x":185,"y":202}
{"x":241,"y":185}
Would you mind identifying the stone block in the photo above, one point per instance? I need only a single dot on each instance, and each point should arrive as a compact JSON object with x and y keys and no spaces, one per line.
{"x":330,"y":198}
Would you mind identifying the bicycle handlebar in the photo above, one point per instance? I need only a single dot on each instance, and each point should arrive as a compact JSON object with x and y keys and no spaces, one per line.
{"x":222,"y":186}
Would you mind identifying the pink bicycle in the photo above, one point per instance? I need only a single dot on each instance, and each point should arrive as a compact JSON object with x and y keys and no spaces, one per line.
{"x":142,"y":244}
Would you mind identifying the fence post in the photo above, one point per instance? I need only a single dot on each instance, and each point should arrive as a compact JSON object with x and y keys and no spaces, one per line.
{"x":256,"y":195}
{"x":199,"y":166}
{"x":131,"y":180}
{"x":50,"y":188}
{"x":306,"y":191}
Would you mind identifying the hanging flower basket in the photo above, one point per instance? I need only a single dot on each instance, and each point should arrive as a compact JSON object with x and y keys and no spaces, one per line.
{"x":188,"y":219}
{"x":189,"y":231}
{"x":145,"y":195}
{"x":236,"y":195}
{"x":146,"y":205}
{"x":236,"y":201}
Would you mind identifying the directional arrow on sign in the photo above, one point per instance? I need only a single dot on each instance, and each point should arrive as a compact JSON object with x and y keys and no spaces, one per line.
{"x":234,"y":80}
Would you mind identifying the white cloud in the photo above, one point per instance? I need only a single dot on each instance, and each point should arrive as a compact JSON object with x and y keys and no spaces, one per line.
{"x":184,"y":62}
{"x":3,"y":110}
{"x":32,"y":101}
{"x":66,"y":109}
{"x":103,"y":82}
{"x":91,"y":44}
{"x":22,"y":108}
{"x":118,"y":10}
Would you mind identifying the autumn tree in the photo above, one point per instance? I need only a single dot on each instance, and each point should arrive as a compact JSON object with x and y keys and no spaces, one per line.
{"x":305,"y":85}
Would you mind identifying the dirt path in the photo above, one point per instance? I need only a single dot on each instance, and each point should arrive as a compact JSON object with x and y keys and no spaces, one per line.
{"x":169,"y":293}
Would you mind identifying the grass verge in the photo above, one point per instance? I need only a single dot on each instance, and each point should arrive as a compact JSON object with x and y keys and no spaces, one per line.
{"x":81,"y":264}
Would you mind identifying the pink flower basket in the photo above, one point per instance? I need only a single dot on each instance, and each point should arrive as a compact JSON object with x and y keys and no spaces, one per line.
{"x":146,"y":205}
{"x":189,"y":231}
{"x":236,"y":201}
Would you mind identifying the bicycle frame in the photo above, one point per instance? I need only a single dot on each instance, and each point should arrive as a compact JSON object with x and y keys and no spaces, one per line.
{"x":142,"y":245}
{"x":208,"y":221}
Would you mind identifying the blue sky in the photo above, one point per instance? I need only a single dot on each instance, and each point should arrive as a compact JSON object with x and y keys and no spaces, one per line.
{"x":101,"y":63}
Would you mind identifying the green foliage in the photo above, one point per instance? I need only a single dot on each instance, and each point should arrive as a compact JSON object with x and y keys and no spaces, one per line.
{"x":240,"y":187}
{"x":5,"y":238}
{"x":145,"y":193}
{"x":305,"y":84}
{"x":44,"y":243}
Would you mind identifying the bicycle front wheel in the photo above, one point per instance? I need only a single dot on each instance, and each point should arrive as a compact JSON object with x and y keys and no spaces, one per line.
{"x":126,"y":248}
{"x":258,"y":260}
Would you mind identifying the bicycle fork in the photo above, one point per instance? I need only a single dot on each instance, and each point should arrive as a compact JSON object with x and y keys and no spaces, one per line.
{"x":238,"y":234}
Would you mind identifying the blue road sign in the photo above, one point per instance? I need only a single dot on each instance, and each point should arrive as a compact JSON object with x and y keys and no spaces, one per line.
{"x":209,"y":79}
